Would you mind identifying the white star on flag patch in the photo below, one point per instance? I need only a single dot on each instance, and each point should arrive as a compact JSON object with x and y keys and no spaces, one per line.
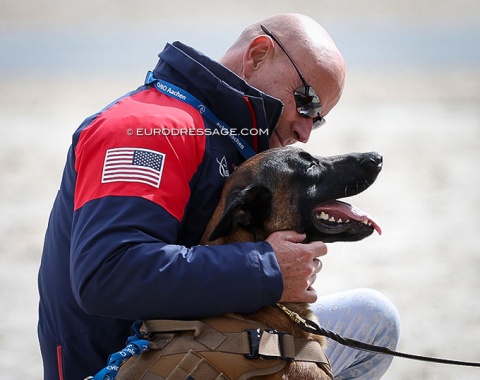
{"x":133,"y":165}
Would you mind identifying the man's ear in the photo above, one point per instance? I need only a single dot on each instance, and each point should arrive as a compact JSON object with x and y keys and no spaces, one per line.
{"x":247,"y":208}
{"x":256,"y":54}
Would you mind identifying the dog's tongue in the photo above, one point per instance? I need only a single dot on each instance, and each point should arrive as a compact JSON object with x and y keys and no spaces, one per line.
{"x":344,"y":211}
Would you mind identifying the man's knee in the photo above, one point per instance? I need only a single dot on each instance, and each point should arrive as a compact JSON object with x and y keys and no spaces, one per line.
{"x":360,"y":314}
{"x":363,"y":314}
{"x":380,"y":314}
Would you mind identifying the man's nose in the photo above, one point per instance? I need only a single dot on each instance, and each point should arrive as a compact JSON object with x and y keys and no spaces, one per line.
{"x":301,"y":129}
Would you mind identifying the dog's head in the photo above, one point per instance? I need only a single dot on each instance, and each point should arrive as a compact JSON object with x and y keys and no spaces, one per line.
{"x":289,"y":189}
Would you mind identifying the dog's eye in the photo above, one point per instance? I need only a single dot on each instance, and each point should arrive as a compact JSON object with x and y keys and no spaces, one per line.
{"x":309,"y":158}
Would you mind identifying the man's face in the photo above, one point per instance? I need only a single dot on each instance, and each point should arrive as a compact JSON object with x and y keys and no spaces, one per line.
{"x":280,"y":80}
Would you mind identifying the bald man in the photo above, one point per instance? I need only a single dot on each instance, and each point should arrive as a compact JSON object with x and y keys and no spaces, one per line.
{"x":257,"y":58}
{"x":143,"y":177}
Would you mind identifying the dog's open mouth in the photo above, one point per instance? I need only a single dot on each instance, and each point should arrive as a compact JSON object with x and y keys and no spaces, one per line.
{"x":338,"y":217}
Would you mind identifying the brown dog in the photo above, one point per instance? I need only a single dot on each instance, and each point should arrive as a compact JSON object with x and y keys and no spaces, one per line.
{"x":287,"y":189}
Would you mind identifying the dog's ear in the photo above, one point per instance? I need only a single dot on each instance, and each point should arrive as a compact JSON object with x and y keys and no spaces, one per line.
{"x":247,"y":208}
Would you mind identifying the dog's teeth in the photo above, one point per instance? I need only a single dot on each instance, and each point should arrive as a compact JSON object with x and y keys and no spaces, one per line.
{"x":339,"y":221}
{"x":365,"y":222}
{"x":332,"y":219}
{"x":323,"y":216}
{"x":347,"y":221}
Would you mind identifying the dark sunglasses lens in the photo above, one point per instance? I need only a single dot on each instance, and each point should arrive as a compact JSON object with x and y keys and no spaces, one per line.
{"x":303,"y":101}
{"x":307,"y":101}
{"x":308,"y":105}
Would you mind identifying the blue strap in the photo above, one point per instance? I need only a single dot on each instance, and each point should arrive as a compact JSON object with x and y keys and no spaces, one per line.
{"x":135,"y":346}
{"x":178,"y":93}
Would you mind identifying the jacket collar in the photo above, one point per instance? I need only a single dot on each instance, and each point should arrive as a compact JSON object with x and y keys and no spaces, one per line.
{"x":221,"y":90}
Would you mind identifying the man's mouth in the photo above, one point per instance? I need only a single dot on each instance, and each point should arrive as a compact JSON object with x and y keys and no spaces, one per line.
{"x":336,"y":217}
{"x":281,"y":142}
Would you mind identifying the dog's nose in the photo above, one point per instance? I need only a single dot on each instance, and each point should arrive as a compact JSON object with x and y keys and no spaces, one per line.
{"x":376,"y":159}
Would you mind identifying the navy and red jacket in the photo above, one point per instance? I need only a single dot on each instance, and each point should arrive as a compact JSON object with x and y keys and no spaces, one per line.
{"x":121,"y":242}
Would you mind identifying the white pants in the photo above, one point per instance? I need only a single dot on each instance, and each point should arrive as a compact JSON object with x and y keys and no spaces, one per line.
{"x":361,"y":314}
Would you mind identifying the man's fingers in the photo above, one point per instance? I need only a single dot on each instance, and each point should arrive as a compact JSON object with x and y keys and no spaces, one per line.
{"x":314,"y":249}
{"x":298,"y":263}
{"x":308,"y":295}
{"x":319,"y":248}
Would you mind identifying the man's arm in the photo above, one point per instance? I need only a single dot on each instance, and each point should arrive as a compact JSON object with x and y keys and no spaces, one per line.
{"x":123,"y":268}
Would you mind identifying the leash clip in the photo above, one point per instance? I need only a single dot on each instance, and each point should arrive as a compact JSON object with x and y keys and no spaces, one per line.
{"x":305,"y":324}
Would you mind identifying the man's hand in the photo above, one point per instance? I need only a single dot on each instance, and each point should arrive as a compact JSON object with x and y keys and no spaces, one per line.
{"x":299,"y":264}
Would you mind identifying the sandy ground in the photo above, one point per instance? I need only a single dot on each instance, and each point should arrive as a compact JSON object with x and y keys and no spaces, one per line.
{"x":424,"y":120}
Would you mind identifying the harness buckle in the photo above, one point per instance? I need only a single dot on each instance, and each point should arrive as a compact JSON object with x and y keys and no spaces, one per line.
{"x":281,"y":334}
{"x":255,"y":336}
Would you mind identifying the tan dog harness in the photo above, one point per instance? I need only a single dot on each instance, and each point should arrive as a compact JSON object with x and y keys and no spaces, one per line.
{"x":226,"y":347}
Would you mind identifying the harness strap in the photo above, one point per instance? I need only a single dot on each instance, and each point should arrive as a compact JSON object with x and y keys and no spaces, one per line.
{"x":202,"y":333}
{"x":253,"y":343}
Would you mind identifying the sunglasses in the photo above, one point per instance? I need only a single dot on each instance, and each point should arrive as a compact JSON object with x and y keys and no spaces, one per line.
{"x":306,"y":100}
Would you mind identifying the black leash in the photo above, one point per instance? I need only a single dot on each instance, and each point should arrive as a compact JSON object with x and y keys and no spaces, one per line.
{"x":311,"y":327}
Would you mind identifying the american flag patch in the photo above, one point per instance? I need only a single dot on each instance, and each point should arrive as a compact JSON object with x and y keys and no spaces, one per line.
{"x":133,"y":165}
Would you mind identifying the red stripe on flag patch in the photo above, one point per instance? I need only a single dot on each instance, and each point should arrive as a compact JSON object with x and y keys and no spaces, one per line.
{"x":133,"y":165}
